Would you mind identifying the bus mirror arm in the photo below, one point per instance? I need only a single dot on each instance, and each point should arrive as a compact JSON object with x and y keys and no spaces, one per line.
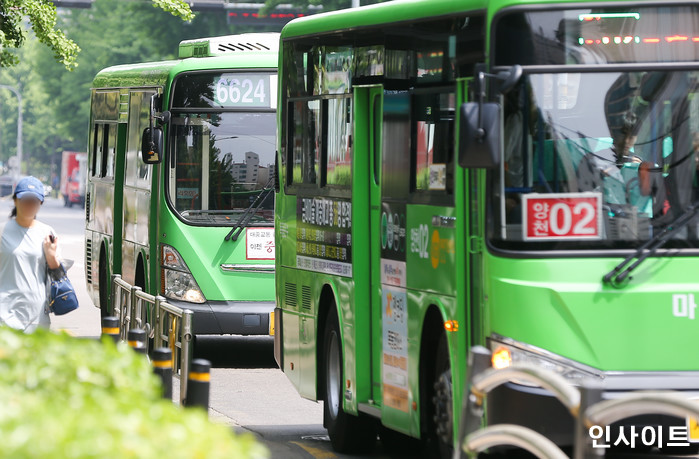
{"x":163,"y":118}
{"x":509,"y":77}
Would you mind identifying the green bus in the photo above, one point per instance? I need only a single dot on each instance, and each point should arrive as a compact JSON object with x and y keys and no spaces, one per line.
{"x":463,"y":173}
{"x":192,"y":217}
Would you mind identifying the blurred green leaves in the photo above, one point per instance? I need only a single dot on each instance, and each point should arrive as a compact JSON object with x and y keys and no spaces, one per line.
{"x":67,"y":397}
{"x":42,"y":17}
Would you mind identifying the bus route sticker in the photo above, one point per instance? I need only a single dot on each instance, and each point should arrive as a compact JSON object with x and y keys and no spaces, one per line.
{"x":259,"y":244}
{"x":562,"y":216}
{"x":395,"y":348}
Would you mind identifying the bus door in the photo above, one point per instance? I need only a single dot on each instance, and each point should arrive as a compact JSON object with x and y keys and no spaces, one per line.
{"x":137,"y":194}
{"x":373,"y":95}
{"x":389,"y":193}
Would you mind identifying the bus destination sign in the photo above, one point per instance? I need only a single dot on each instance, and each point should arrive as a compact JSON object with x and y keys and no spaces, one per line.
{"x":244,"y":90}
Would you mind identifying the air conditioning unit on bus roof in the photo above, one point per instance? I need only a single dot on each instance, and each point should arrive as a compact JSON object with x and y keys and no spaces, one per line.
{"x":219,"y":46}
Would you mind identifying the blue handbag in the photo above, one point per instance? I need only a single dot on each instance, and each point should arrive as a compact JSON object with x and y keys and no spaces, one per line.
{"x":62,"y":298}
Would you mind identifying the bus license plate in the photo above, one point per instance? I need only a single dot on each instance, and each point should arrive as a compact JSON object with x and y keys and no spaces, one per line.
{"x":271,"y":323}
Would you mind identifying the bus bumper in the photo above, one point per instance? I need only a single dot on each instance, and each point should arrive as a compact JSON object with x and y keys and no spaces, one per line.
{"x":229,"y":317}
{"x":537,"y":409}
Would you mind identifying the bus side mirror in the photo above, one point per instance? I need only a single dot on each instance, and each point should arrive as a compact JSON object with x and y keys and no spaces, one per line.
{"x":152,"y":145}
{"x":479,"y":130}
{"x":479,"y":143}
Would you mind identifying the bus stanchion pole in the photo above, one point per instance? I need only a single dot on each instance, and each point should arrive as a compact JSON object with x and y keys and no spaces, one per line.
{"x":110,"y":328}
{"x":134,"y":304}
{"x":472,"y":404}
{"x":158,"y":334}
{"x":185,"y":352}
{"x":198,"y":383}
{"x":162,"y":366}
{"x":590,"y":394}
{"x":137,"y":340}
{"x":115,"y":297}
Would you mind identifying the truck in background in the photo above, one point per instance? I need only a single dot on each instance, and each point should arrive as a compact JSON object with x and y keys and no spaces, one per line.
{"x":73,"y":174}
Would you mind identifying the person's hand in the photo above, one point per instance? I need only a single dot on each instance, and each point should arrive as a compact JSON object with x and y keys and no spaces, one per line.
{"x":50,"y":248}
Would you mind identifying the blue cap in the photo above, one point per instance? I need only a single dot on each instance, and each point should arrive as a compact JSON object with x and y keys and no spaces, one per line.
{"x":30,"y":186}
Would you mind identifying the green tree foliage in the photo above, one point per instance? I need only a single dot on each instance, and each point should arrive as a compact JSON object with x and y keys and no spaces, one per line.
{"x":40,"y":132}
{"x":42,"y":17}
{"x":56,"y":101}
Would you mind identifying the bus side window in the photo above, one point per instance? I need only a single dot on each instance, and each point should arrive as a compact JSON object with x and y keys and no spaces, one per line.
{"x":108,"y":148}
{"x":304,"y":141}
{"x":395,"y":168}
{"x":337,"y":154}
{"x":137,"y":172}
{"x":433,"y":134}
{"x":97,"y":147}
{"x":144,"y":121}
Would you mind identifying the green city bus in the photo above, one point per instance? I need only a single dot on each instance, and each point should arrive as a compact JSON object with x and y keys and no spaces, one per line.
{"x":193,"y":223}
{"x":460,"y":173}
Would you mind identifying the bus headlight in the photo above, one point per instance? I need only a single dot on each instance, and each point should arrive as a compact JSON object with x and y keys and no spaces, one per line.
{"x":506,"y":351}
{"x":176,"y":279}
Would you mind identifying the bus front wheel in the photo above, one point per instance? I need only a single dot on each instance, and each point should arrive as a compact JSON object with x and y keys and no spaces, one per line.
{"x":441,"y":403}
{"x":348,"y":433}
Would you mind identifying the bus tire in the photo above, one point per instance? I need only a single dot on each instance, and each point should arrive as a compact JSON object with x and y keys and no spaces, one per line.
{"x":348,"y":433}
{"x":440,"y":399}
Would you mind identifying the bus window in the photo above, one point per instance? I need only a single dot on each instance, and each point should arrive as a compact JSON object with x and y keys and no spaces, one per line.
{"x":137,"y":172}
{"x":433,"y":126}
{"x":338,"y":145}
{"x":108,"y":149}
{"x":628,"y":140}
{"x":97,"y":148}
{"x":396,"y":145}
{"x":222,"y":162}
{"x":305,"y":141}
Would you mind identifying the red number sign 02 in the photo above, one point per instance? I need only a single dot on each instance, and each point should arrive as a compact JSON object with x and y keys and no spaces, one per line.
{"x":561,"y":216}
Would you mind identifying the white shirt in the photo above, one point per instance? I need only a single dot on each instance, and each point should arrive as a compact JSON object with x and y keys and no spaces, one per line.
{"x":23,"y":272}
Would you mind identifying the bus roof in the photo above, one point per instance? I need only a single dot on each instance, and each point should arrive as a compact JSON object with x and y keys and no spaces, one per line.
{"x":399,"y":11}
{"x":372,"y":15}
{"x":150,"y":74}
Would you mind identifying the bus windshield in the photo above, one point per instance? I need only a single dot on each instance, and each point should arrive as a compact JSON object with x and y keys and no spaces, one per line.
{"x":222,"y":161}
{"x":597,"y":160}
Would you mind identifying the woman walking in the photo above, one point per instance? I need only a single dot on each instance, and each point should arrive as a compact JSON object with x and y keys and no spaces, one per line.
{"x":27,"y":247}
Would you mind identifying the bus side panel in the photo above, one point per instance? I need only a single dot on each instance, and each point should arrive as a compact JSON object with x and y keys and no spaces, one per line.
{"x":286,"y":286}
{"x":291,"y":321}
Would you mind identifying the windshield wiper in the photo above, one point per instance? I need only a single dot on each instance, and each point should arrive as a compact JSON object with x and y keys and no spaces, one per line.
{"x":250,"y":211}
{"x":617,"y":276}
